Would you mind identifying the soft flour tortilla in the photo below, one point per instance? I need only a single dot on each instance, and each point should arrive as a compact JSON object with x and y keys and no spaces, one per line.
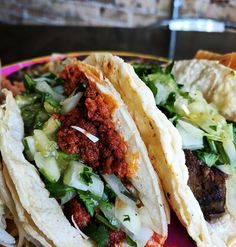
{"x":43,"y":213}
{"x":165,"y":151}
{"x":5,"y":238}
{"x":216,"y":81}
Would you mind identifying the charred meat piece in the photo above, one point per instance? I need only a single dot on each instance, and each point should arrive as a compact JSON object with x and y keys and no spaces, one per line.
{"x":207,"y":185}
{"x":76,"y":209}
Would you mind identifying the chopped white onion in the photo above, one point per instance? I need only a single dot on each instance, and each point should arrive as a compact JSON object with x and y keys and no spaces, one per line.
{"x":192,"y":137}
{"x":42,"y":86}
{"x":162,"y":93}
{"x":227,"y":169}
{"x":6,"y":239}
{"x":86,"y":133}
{"x":70,"y":103}
{"x":118,"y":188}
{"x":67,"y":197}
{"x":72,"y":178}
{"x":76,"y":226}
{"x":194,"y":131}
{"x":128,"y":216}
{"x":143,"y":236}
{"x":230,"y":151}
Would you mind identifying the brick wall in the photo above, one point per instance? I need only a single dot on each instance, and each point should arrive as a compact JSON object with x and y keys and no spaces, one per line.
{"x":216,"y":9}
{"x":126,"y":13}
{"x":88,"y":12}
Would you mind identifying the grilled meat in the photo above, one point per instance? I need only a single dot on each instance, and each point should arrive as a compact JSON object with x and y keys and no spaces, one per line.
{"x":207,"y":185}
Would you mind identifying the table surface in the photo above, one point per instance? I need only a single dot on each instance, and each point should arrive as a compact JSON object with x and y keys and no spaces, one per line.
{"x":24,"y":42}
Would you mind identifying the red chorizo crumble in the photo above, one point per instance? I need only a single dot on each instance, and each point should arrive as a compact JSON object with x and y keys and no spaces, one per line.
{"x":76,"y":209}
{"x":92,"y":114}
{"x":115,"y":238}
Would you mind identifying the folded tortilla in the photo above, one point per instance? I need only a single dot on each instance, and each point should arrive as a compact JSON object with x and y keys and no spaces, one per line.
{"x":165,"y":151}
{"x":44,"y":215}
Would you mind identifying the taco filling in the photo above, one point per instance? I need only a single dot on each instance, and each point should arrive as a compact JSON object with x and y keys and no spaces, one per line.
{"x":72,"y":140}
{"x":208,"y":139}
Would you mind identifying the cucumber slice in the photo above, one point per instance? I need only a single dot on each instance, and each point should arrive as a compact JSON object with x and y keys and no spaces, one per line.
{"x":48,"y":167}
{"x":74,"y":179}
{"x":51,"y":126}
{"x":30,"y":148}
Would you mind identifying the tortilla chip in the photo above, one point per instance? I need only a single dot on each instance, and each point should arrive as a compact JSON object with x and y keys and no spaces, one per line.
{"x":228,"y":59}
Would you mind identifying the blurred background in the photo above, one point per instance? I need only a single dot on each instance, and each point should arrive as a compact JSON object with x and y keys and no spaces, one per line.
{"x":175,"y":29}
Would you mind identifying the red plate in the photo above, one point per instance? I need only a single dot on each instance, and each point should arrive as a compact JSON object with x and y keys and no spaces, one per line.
{"x":177,"y":235}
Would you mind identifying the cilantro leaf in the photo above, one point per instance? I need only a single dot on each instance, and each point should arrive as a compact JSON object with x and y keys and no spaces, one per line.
{"x":86,"y":175}
{"x":126,"y":217}
{"x":152,"y":86}
{"x":40,"y":118}
{"x":130,"y":241}
{"x":92,"y":201}
{"x":60,"y":155}
{"x":109,"y":194}
{"x":105,"y":222}
{"x":88,"y":201}
{"x":169,"y":105}
{"x":51,"y":105}
{"x":33,"y":116}
{"x":168,"y":68}
{"x":98,"y":233}
{"x":58,"y":189}
{"x":29,"y":83}
{"x":209,"y":158}
{"x":142,"y":69}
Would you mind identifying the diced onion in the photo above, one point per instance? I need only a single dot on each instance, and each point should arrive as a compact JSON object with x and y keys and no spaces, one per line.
{"x":32,"y":149}
{"x":181,"y":106}
{"x":70,"y":103}
{"x":194,"y":131}
{"x":86,"y":133}
{"x":143,"y":236}
{"x":5,"y":238}
{"x":227,"y":169}
{"x":118,"y":188}
{"x":192,"y":137}
{"x":230,"y":151}
{"x":72,"y":178}
{"x":76,"y":226}
{"x":128,"y":216}
{"x":162,"y":93}
{"x":48,"y":166}
{"x":67,"y":197}
{"x":231,"y":194}
{"x":42,"y":86}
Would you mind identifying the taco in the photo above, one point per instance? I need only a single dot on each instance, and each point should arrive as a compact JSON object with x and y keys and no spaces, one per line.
{"x":194,"y":155}
{"x":76,"y":164}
